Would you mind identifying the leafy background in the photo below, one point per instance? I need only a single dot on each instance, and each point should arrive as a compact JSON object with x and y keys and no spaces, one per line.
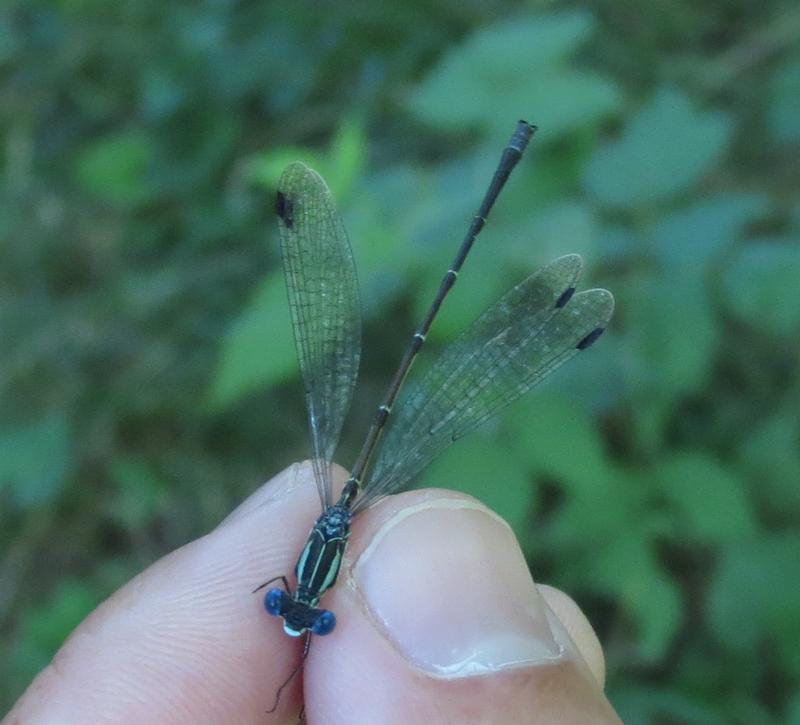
{"x":147,"y":373}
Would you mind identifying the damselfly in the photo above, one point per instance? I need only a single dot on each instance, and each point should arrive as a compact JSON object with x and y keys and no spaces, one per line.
{"x":511,"y":347}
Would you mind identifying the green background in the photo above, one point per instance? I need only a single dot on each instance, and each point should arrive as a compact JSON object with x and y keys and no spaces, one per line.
{"x":147,"y":370}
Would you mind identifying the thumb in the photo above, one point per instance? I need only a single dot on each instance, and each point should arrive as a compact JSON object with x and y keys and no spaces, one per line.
{"x":440,"y":622}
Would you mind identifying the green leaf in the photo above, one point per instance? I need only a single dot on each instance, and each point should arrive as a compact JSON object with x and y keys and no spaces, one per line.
{"x":140,"y":491}
{"x":783,"y":118}
{"x":514,"y":69}
{"x":484,"y":469}
{"x":657,"y":704}
{"x":554,"y":435}
{"x":562,"y":101}
{"x":44,"y":626}
{"x":550,"y":174}
{"x":595,"y":512}
{"x":116,"y":168}
{"x":761,"y":285}
{"x":35,"y":458}
{"x":258,"y":351}
{"x":266,"y":169}
{"x":770,"y":456}
{"x":348,"y":155}
{"x":49,"y":624}
{"x":380,"y":228}
{"x":692,"y":236}
{"x":552,"y":231}
{"x":755,"y":596}
{"x":341,"y":167}
{"x":671,"y":334}
{"x":628,"y":567}
{"x":708,"y":499}
{"x":605,"y":535}
{"x":664,"y":150}
{"x":10,"y":42}
{"x":793,"y":710}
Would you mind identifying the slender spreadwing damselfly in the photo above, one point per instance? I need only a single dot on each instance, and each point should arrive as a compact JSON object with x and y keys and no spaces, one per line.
{"x":512,"y":346}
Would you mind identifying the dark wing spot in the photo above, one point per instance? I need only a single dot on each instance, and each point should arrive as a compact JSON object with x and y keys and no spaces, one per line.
{"x":590,"y":338}
{"x":566,"y":296}
{"x":284,"y":209}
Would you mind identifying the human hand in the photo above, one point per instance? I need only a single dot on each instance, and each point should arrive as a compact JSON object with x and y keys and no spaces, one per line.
{"x":438,"y":621}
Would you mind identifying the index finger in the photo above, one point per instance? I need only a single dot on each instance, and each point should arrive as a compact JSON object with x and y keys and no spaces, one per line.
{"x":186,"y":640}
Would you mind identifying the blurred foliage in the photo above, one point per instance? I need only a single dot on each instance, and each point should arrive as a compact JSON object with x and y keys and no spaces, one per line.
{"x":147,"y":373}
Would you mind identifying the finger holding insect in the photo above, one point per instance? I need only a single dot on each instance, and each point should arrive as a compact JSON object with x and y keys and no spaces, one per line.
{"x":440,"y":621}
{"x":186,"y":641}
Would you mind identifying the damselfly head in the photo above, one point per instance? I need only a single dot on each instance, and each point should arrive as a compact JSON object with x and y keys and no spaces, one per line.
{"x":274,"y":602}
{"x":324,"y":623}
{"x":298,"y":617}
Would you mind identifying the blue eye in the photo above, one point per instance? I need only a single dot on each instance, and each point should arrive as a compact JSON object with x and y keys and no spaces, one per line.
{"x":273,"y":601}
{"x":325,"y":623}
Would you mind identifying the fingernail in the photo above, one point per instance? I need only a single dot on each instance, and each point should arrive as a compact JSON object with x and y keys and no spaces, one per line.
{"x":447,"y":584}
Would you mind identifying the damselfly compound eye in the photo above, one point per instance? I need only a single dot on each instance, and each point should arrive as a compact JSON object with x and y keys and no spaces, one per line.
{"x":273,"y":601}
{"x":324,"y":623}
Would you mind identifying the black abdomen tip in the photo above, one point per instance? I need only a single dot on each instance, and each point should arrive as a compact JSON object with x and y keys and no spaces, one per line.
{"x":591,"y":338}
{"x":522,"y":136}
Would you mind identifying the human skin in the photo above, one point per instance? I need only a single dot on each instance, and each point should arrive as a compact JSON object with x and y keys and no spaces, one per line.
{"x":438,"y":621}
